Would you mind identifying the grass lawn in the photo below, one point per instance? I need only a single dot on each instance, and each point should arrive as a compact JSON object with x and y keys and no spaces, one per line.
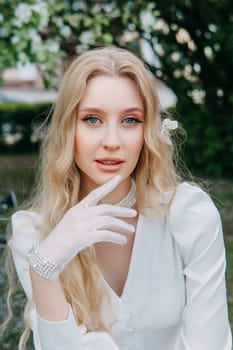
{"x":17,"y":173}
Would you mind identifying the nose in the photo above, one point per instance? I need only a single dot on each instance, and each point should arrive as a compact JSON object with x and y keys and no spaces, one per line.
{"x":112,"y":138}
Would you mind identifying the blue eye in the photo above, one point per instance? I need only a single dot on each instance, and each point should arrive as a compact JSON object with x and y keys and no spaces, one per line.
{"x":131,"y":120}
{"x":91,"y":120}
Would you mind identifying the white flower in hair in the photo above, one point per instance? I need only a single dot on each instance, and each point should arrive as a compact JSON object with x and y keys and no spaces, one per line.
{"x":168,"y":125}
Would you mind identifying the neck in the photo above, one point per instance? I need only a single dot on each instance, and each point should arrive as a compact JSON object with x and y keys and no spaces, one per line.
{"x":130,"y":199}
{"x":123,"y":195}
{"x":116,"y":195}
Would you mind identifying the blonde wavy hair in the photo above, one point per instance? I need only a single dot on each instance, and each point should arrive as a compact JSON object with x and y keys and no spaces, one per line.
{"x":59,"y":185}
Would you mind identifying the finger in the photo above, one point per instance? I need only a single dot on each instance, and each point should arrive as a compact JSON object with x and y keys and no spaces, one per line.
{"x":111,"y":237}
{"x":114,"y":211}
{"x":114,"y":224}
{"x":96,"y":195}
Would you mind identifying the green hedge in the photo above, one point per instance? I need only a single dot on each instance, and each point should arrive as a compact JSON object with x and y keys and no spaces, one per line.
{"x":209,"y":145}
{"x":17,"y":124}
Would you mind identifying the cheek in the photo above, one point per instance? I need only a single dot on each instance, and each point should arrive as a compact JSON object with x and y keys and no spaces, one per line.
{"x":82,"y":139}
{"x":136,"y":142}
{"x":80,"y":145}
{"x":76,"y":144}
{"x":85,"y":145}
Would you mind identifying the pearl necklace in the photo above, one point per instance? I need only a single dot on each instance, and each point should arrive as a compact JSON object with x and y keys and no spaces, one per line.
{"x":130,"y":199}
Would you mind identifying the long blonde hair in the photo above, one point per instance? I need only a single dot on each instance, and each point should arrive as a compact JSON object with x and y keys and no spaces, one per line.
{"x":59,"y":185}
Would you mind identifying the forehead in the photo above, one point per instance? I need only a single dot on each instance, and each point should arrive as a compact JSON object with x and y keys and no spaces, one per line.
{"x":111,"y":91}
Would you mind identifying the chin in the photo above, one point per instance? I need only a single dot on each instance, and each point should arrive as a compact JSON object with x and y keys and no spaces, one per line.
{"x":100,"y":180}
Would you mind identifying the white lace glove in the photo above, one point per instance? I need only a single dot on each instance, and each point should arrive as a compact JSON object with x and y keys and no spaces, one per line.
{"x":83,"y":225}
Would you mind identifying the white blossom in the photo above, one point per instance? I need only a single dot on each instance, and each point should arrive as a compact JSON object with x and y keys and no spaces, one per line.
{"x":1,"y":17}
{"x":191,"y":45}
{"x":58,"y":21}
{"x":159,"y":49}
{"x":81,"y":48}
{"x":66,"y":31}
{"x":213,"y":27}
{"x":174,"y":26}
{"x":188,"y":69}
{"x":23,"y":57}
{"x":197,"y":95}
{"x":23,"y":13}
{"x":87,"y":37}
{"x":167,"y":126}
{"x":15,"y":39}
{"x":79,"y":5}
{"x":35,"y":37}
{"x":197,"y":67}
{"x":208,"y":52}
{"x":4,"y":32}
{"x":36,"y":47}
{"x":175,"y":56}
{"x":220,"y":92}
{"x":147,"y":20}
{"x":162,"y":26}
{"x":182,"y":36}
{"x":53,"y":47}
{"x":42,"y":9}
{"x":177,"y":73}
{"x":188,"y":73}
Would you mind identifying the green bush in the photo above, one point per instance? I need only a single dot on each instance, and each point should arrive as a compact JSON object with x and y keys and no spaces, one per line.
{"x":208,"y":148}
{"x":18,"y":122}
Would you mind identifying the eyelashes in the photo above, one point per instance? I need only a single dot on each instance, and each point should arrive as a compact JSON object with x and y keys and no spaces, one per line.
{"x":132,"y":120}
{"x":94,"y":120}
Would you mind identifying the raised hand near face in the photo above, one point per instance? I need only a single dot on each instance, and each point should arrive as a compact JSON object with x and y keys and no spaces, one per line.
{"x":84,"y":224}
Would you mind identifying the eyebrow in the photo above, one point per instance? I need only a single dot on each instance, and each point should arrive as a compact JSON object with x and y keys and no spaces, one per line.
{"x":96,"y":110}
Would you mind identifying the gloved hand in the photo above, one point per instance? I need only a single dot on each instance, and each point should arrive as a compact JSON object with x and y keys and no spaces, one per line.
{"x":85,"y":224}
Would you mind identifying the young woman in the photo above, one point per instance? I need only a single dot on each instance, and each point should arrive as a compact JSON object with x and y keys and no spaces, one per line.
{"x":116,"y":252}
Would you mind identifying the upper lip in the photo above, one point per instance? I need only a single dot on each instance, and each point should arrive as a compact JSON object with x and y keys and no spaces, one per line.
{"x":110,"y":159}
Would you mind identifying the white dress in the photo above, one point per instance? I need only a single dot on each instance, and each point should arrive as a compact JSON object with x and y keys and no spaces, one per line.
{"x":174,"y":297}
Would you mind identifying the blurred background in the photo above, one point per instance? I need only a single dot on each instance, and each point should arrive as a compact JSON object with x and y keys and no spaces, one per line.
{"x":188,"y":46}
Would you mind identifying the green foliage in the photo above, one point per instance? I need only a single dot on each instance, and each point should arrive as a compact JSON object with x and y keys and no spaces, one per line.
{"x":191,"y":42}
{"x":18,"y":125}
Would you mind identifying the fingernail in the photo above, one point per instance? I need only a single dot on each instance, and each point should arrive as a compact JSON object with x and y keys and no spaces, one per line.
{"x":122,"y":240}
{"x":132,"y":228}
{"x":115,"y":180}
{"x":132,"y":212}
{"x":118,"y":178}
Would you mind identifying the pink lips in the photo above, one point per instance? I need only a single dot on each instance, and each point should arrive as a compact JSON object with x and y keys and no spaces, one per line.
{"x":109,"y":164}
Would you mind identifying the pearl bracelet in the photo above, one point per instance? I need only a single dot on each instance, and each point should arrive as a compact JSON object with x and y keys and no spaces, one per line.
{"x":41,"y":264}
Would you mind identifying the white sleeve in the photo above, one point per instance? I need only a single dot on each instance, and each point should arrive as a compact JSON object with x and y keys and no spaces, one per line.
{"x":56,"y":335}
{"x":24,"y":234}
{"x":196,"y":227}
{"x":48,"y":335}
